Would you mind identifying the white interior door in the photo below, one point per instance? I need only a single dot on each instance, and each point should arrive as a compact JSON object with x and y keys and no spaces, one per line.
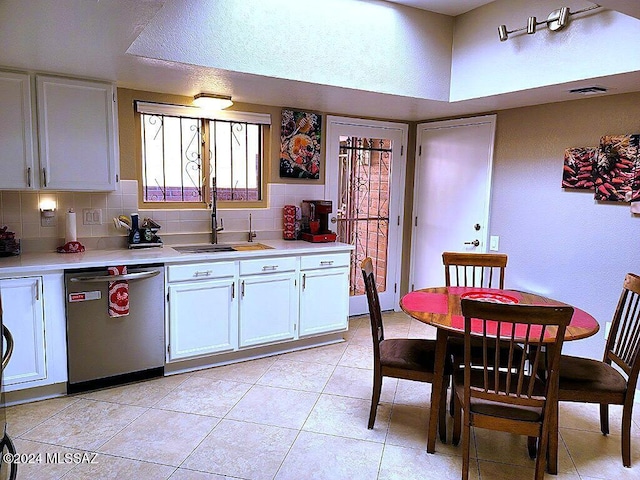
{"x":365,"y":176}
{"x":451,"y":194}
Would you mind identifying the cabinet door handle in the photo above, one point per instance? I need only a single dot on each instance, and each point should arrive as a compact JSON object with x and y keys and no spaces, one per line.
{"x":44,"y":176}
{"x":203,"y":273}
{"x":326,"y":262}
{"x":269,"y":268}
{"x":242,"y":289}
{"x":233,"y":290}
{"x":29,"y":176}
{"x":304,"y":280}
{"x":37,"y":287}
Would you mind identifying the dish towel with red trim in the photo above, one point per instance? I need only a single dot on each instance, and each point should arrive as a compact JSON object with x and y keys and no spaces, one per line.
{"x":118,"y":293}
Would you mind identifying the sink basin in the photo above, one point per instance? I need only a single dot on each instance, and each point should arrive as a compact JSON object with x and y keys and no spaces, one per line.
{"x":221,"y":247}
{"x":203,"y":248}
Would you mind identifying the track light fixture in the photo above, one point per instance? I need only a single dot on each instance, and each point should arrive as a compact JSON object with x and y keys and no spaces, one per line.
{"x":557,"y":20}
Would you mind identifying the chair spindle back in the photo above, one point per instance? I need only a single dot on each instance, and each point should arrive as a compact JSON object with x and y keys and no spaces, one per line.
{"x":524,"y":326}
{"x":623,"y":342}
{"x":474,"y":269}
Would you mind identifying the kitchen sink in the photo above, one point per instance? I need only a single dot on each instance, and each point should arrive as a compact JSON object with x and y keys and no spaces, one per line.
{"x":221,"y":247}
{"x":241,"y":247}
{"x":203,"y":248}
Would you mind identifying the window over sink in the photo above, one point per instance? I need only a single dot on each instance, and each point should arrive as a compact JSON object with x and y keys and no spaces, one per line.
{"x":188,"y":153}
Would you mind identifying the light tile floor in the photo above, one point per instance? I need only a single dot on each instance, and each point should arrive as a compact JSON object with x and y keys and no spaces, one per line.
{"x":296,"y":416}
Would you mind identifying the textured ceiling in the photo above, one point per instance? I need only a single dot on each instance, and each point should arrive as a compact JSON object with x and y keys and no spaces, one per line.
{"x":90,"y":39}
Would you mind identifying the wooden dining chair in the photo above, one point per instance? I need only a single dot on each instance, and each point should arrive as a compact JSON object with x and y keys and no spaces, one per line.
{"x":593,"y":381}
{"x":513,"y":400}
{"x":405,"y":358}
{"x":481,"y":270}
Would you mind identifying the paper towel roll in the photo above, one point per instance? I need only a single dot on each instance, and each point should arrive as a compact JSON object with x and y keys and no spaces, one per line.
{"x":70,"y":231}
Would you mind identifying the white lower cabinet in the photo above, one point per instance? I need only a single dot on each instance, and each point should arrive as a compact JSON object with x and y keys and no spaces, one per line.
{"x":268,"y":301}
{"x":227,"y":307}
{"x":203,"y":310}
{"x":38,"y":329}
{"x":268,"y":309}
{"x":324,"y":294}
{"x":23,"y":315}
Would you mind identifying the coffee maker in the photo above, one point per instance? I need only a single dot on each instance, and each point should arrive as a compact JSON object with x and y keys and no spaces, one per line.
{"x":315,"y":221}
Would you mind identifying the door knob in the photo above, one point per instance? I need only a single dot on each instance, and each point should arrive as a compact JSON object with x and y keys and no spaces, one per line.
{"x":475,"y":243}
{"x":334,"y":219}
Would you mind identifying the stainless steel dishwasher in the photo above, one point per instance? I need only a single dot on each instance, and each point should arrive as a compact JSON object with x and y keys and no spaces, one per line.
{"x":105,"y":350}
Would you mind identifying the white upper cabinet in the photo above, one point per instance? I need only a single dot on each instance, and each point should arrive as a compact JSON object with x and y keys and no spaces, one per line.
{"x":77,"y":136}
{"x":16,"y":132}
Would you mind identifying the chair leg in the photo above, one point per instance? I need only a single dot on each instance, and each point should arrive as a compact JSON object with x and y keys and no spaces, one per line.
{"x":442,"y":412}
{"x":466,"y":443}
{"x":541,"y":459}
{"x":532,"y":446}
{"x":626,"y":432}
{"x":452,"y":401}
{"x":551,"y":441}
{"x":457,"y":421}
{"x":604,"y":418}
{"x":543,"y":445}
{"x":375,"y":399}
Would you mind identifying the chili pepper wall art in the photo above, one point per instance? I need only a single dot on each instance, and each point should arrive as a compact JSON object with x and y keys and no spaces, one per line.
{"x":612,"y":170}
{"x":300,"y":144}
{"x":578,"y":168}
{"x":614,"y":167}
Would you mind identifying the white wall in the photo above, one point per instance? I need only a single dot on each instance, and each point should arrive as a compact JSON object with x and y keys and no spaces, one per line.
{"x":366,"y":45}
{"x":595,"y":44}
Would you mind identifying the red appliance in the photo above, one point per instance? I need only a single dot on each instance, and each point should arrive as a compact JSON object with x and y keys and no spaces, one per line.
{"x":315,"y":217}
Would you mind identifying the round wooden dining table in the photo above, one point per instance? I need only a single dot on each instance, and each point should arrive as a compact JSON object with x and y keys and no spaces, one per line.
{"x":440,"y":307}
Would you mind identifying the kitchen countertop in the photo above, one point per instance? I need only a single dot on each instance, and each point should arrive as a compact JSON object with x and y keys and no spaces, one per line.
{"x":42,"y":262}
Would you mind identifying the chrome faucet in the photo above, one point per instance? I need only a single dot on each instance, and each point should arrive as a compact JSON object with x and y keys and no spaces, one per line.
{"x":214,"y":213}
{"x":252,"y":234}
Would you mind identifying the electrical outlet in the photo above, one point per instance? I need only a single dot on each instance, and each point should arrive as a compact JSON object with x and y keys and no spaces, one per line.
{"x":91,"y":216}
{"x":47,"y":221}
{"x":494,"y":242}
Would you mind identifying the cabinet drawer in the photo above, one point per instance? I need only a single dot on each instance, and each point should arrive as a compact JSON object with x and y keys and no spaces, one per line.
{"x":267,"y":265}
{"x":325,"y":261}
{"x":177,"y":273}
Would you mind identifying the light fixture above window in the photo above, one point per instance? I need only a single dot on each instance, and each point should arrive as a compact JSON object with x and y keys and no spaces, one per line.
{"x":212,"y":101}
{"x":557,"y":20}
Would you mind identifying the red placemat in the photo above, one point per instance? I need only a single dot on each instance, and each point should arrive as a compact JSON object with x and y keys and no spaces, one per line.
{"x":426,"y":302}
{"x":581,"y":319}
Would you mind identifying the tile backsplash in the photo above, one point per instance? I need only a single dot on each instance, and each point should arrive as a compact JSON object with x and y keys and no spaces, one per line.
{"x":20,"y":211}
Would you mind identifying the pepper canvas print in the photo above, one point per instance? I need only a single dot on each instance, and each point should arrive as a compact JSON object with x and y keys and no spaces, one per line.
{"x":578,"y":168}
{"x":615,"y":168}
{"x":300,"y":144}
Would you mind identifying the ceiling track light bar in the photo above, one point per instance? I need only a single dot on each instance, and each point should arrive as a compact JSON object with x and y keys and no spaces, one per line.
{"x":557,"y":20}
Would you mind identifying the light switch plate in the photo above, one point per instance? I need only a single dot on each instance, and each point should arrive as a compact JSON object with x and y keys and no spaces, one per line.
{"x":494,"y":242}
